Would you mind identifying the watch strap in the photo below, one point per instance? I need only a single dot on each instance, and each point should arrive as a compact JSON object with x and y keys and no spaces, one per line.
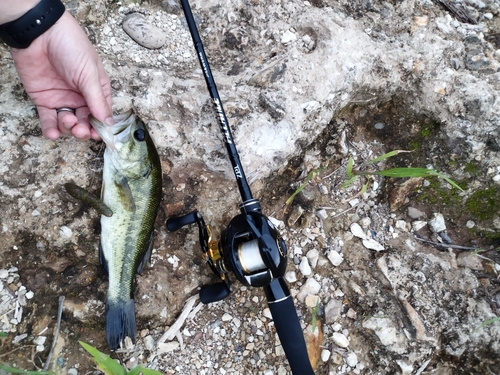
{"x":21,"y":32}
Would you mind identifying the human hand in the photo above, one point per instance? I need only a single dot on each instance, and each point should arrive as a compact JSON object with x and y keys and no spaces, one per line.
{"x":60,"y":69}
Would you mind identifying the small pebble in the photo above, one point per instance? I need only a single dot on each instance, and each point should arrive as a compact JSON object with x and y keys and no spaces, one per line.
{"x":312,"y":301}
{"x":65,"y":232}
{"x":288,"y":37}
{"x":322,"y":214}
{"x":311,"y":286}
{"x":417,"y":225}
{"x":304,"y":267}
{"x":357,"y":231}
{"x":313,"y":256}
{"x":226,"y":317}
{"x":365,"y":222}
{"x":333,"y":309}
{"x":291,"y":276}
{"x":470,"y":224}
{"x":401,"y":225}
{"x":372,"y":245}
{"x":351,"y":359}
{"x":414,"y":213}
{"x":340,"y":340}
{"x":335,"y":258}
{"x":351,"y":314}
{"x":325,"y":355}
{"x":72,"y":371}
{"x":437,"y":224}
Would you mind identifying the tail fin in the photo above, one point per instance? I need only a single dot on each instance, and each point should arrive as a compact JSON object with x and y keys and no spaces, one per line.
{"x":120,"y":322}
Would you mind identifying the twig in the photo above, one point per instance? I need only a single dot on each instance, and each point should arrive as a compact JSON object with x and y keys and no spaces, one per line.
{"x":341,"y":166}
{"x":13,"y":350}
{"x":447,"y":245}
{"x":170,"y":333}
{"x":422,"y":368}
{"x":56,"y":333}
{"x":343,"y":212}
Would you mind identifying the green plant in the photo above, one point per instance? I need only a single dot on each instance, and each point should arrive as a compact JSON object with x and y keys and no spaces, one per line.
{"x":489,"y":321}
{"x":404,"y":172}
{"x":110,"y":367}
{"x":309,"y":177}
{"x":314,"y":313}
{"x":13,"y":370}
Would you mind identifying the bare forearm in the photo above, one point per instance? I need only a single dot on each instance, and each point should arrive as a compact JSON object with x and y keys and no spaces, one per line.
{"x":11,"y":10}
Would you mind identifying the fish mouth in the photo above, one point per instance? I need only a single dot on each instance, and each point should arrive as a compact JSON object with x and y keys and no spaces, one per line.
{"x":118,"y":132}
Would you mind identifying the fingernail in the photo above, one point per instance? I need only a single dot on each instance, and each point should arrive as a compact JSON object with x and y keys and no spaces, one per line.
{"x":109,"y":121}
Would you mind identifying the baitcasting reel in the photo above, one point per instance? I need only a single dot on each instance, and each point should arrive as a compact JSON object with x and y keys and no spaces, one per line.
{"x":251,"y":247}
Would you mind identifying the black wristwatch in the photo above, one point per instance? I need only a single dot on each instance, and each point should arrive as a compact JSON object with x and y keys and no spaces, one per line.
{"x":22,"y":32}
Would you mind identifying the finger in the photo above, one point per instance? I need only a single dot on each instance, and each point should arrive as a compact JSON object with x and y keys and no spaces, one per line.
{"x":99,"y":102}
{"x":81,"y":130}
{"x":48,"y":122}
{"x":66,"y":121}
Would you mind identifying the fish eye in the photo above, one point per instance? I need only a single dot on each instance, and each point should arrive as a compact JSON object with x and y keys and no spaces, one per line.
{"x":140,"y":134}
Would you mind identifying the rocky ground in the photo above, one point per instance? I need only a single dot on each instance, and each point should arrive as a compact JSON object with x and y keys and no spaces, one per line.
{"x":400,"y":278}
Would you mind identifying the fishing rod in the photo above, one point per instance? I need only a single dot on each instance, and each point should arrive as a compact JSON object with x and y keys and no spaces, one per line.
{"x":250,"y":247}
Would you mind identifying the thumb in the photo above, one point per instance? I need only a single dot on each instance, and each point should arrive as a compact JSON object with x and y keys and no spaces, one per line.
{"x":96,"y":90}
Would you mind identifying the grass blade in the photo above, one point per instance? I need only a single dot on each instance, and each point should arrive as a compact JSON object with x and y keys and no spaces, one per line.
{"x":301,"y":187}
{"x":13,"y":370}
{"x":350,"y":164}
{"x":105,"y":363}
{"x":386,"y":156}
{"x":405,"y":172}
{"x":414,"y":172}
{"x":144,"y":371}
{"x":489,"y":321}
{"x":348,"y":182}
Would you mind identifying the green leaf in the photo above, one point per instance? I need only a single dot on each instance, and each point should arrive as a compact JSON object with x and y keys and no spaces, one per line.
{"x":3,"y":334}
{"x":349,"y":181}
{"x":314,"y":319}
{"x":406,"y":172}
{"x":414,"y":172}
{"x":105,"y":363}
{"x":386,"y":156}
{"x":350,"y":164}
{"x":364,"y":188}
{"x":489,"y":321}
{"x":144,"y":371}
{"x":301,"y":187}
{"x":14,"y":370}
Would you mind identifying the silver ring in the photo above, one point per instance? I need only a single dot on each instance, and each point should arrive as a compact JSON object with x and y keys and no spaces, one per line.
{"x":65,"y":109}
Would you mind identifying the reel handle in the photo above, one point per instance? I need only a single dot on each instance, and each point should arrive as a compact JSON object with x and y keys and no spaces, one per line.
{"x":214,"y":292}
{"x":176,"y":223}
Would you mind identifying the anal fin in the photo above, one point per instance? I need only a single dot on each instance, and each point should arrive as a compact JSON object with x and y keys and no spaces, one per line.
{"x":146,"y":259}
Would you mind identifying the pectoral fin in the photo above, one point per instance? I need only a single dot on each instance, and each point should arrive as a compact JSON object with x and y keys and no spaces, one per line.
{"x":126,"y":198}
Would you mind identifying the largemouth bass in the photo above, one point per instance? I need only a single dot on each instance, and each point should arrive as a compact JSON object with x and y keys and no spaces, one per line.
{"x":131,"y":189}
